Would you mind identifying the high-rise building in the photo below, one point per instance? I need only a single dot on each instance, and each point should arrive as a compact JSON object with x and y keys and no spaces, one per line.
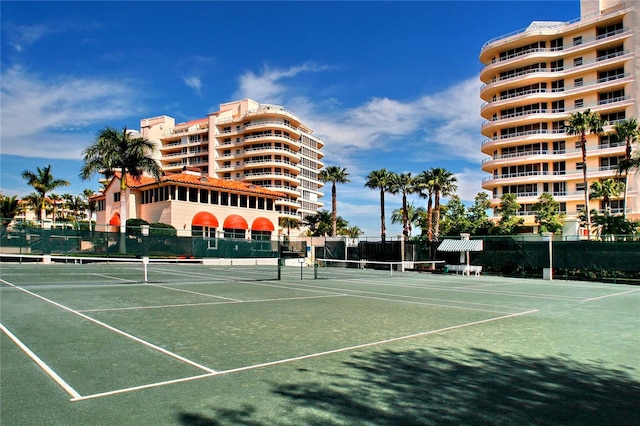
{"x":260,"y":144}
{"x":534,"y":79}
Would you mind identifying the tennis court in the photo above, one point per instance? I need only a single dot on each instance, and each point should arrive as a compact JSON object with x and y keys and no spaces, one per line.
{"x":94,"y":343}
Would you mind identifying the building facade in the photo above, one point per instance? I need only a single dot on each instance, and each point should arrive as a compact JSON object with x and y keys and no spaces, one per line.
{"x":259,"y":144}
{"x":533,"y":80}
{"x":194,"y":204}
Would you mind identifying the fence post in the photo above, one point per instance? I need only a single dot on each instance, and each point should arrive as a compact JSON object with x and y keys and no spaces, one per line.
{"x":547,"y":273}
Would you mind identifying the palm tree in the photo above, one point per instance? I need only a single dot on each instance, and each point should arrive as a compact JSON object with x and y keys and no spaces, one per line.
{"x":334,"y":174}
{"x":76,"y":204}
{"x":91,"y":204}
{"x":289,"y":223}
{"x":352,"y":232}
{"x":606,"y":189}
{"x":43,"y":182}
{"x":380,"y":179}
{"x":8,"y":210}
{"x":444,"y":185}
{"x":581,"y":123}
{"x":412,"y":214}
{"x":424,"y":186}
{"x":628,"y":131}
{"x":118,"y":151}
{"x":403,"y":183}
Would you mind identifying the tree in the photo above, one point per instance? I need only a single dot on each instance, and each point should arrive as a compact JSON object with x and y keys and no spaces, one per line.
{"x":477,"y":215}
{"x":320,"y":224}
{"x":76,"y":204}
{"x":455,"y":219}
{"x":403,"y":183}
{"x":117,"y":151}
{"x":581,"y":123}
{"x":289,"y":223}
{"x":424,"y":187}
{"x":334,"y":174}
{"x":444,"y":185}
{"x":351,"y":232}
{"x":547,"y":213}
{"x":627,"y":131}
{"x":91,"y":204}
{"x":380,"y":179}
{"x":606,"y":189}
{"x":8,"y":210}
{"x":412,"y":215}
{"x":43,"y":182}
{"x":509,"y":223}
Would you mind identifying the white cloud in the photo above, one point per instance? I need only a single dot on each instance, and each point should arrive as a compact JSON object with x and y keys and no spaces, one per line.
{"x":267,"y":87}
{"x":23,"y":36}
{"x":194,"y":82}
{"x":58,"y":111}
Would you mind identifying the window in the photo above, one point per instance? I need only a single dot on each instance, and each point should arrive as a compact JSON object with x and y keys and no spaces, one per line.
{"x":116,"y":197}
{"x":579,"y":165}
{"x":577,"y":41}
{"x":578,"y":103}
{"x":234,"y":233}
{"x":182,"y":193}
{"x":578,"y":82}
{"x":193,"y":195}
{"x":214,"y":197}
{"x":580,"y":186}
{"x":204,"y":196}
{"x":577,"y":61}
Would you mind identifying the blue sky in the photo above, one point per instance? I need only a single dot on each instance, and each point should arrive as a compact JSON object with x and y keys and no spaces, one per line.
{"x":384,"y":84}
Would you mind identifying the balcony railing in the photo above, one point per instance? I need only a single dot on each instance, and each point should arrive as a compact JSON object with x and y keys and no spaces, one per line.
{"x":560,"y":90}
{"x":565,"y":69}
{"x":523,"y":31}
{"x":585,"y":41}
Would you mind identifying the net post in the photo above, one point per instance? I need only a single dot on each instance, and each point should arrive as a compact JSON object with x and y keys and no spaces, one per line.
{"x":279,"y":268}
{"x":145,"y":265}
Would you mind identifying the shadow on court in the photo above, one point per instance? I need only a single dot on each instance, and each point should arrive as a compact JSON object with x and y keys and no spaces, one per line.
{"x":443,"y":386}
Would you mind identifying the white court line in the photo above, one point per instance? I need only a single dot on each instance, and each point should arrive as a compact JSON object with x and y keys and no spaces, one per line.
{"x":194,"y":292}
{"x":59,"y":380}
{"x":116,"y":330}
{"x":188,"y":305}
{"x":390,"y":297}
{"x":115,"y":278}
{"x":302,"y":357}
{"x":467,"y":290}
{"x":609,"y":295}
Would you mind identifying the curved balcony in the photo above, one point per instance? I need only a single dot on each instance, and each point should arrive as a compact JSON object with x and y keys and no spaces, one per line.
{"x":540,"y":95}
{"x":520,"y":36}
{"x":528,"y":177}
{"x":533,"y":55}
{"x":542,"y":74}
{"x":527,"y":136}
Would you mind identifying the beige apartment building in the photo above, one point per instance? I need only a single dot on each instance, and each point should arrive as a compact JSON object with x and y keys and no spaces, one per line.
{"x":534,"y":79}
{"x":258,"y":144}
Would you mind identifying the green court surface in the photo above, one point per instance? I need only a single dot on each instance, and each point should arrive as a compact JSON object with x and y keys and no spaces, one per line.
{"x":95,"y":344}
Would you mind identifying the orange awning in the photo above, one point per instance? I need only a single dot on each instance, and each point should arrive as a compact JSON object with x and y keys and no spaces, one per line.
{"x":262,"y":224}
{"x":235,"y":222}
{"x":205,"y":219}
{"x":115,"y":220}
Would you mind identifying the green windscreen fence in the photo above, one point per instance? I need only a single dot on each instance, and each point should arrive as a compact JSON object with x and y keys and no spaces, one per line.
{"x":87,"y":243}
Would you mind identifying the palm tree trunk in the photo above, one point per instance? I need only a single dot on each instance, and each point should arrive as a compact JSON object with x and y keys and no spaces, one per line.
{"x":436,"y":216}
{"x":430,"y":219}
{"x":405,"y":216}
{"x":383,"y":228}
{"x":334,"y":211}
{"x":586,"y":188}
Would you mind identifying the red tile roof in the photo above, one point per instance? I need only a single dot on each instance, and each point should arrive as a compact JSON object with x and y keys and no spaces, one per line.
{"x":203,"y":181}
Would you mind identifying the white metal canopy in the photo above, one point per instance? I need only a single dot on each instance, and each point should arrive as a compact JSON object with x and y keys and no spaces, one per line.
{"x":460,"y":245}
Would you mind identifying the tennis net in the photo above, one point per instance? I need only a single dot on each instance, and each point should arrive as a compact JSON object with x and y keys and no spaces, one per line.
{"x":344,"y":269}
{"x":24,"y":270}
